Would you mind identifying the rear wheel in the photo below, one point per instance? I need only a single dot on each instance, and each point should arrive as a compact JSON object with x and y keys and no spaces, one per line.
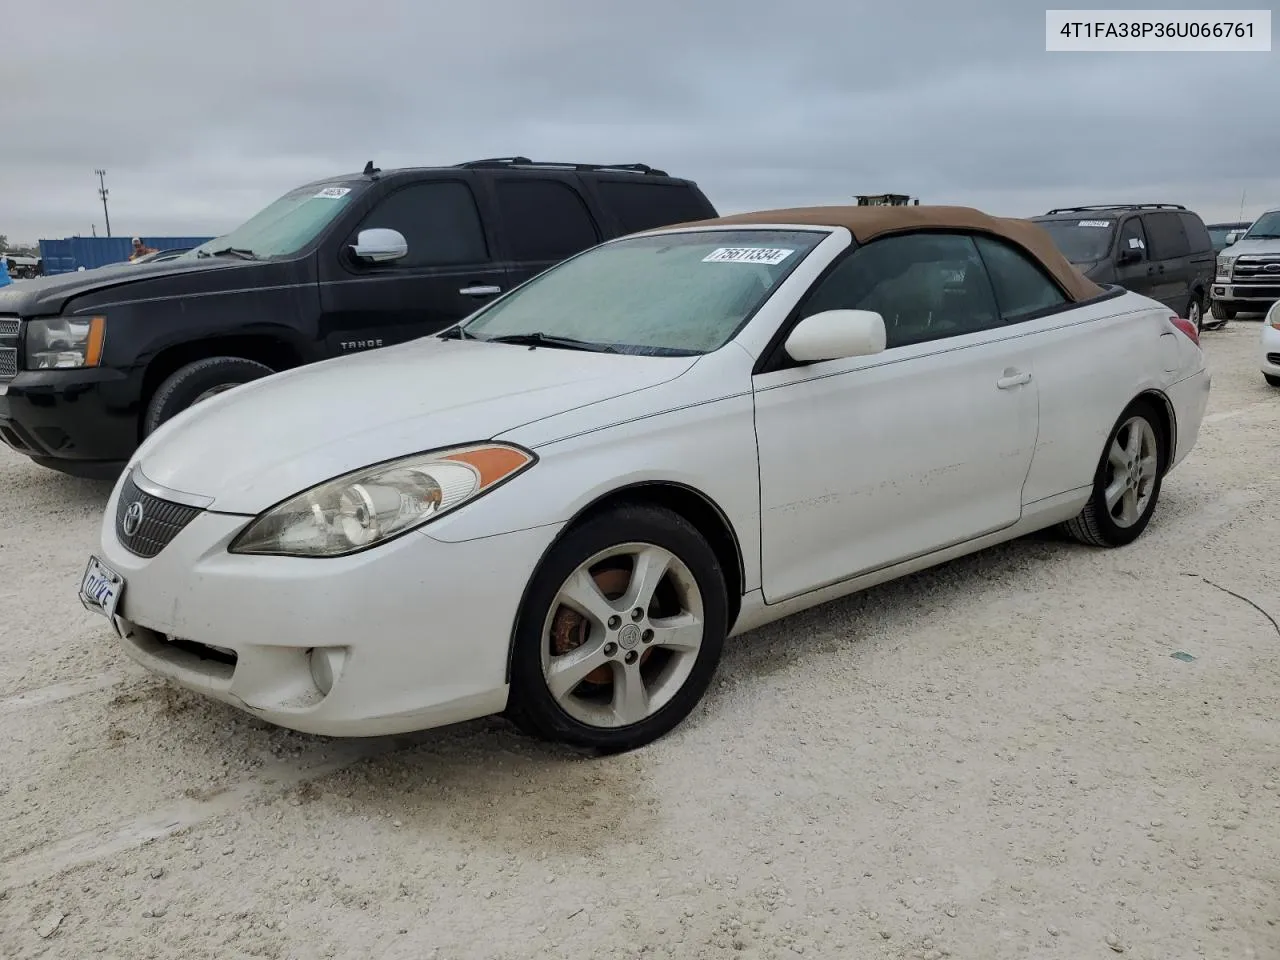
{"x":1222,"y":311}
{"x":1195,"y":311}
{"x":198,"y":381}
{"x":620,"y":633}
{"x":1126,"y":485}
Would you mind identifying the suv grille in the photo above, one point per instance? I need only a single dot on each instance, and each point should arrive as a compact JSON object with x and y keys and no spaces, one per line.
{"x":1264,"y":268}
{"x":9,"y":329}
{"x":159,"y":523}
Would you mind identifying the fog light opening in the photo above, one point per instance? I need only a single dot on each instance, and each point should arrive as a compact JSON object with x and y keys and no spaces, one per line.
{"x":326,"y":666}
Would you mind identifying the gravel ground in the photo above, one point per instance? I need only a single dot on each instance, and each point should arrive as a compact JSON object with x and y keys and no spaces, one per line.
{"x":998,"y":758}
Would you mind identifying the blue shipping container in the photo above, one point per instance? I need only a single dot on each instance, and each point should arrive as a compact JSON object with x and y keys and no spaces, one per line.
{"x":65,"y":256}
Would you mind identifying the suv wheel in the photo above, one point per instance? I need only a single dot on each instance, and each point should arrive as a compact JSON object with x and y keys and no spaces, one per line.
{"x":1222,"y":311}
{"x":198,"y":381}
{"x":1195,"y":311}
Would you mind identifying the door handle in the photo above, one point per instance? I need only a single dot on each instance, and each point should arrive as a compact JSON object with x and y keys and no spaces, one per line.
{"x":1011,"y":380}
{"x":480,"y":291}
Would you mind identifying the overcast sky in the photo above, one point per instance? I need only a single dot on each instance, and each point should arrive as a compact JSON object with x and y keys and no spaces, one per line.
{"x":203,"y":112}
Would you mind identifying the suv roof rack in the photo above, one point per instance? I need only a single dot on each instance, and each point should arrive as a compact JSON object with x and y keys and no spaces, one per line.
{"x":1118,"y":206}
{"x":548,"y":164}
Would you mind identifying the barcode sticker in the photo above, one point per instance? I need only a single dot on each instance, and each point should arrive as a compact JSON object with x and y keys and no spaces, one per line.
{"x":769,"y":256}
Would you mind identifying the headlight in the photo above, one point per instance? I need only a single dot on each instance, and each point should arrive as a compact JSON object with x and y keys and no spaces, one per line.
{"x":1224,"y":267}
{"x":1273,"y":315}
{"x":63,"y":342}
{"x":369,"y":506}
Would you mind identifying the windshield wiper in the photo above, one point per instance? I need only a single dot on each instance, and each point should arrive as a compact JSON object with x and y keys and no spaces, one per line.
{"x":539,"y":339}
{"x":232,"y":251}
{"x":1260,"y":236}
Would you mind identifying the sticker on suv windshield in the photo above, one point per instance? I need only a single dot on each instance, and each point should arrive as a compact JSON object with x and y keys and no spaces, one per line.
{"x":769,"y":256}
{"x":332,"y":193}
{"x":1094,"y":223}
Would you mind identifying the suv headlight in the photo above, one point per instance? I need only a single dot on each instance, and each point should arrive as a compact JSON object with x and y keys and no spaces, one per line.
{"x":59,"y":343}
{"x":1224,"y":267}
{"x":374,"y":504}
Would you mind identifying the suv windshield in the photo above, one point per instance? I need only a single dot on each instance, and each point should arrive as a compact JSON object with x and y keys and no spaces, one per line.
{"x":1083,"y":240}
{"x":675,"y":294}
{"x":1266,"y":227}
{"x":287,"y":225}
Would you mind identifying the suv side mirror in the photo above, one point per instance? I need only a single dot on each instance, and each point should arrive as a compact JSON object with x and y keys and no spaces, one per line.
{"x":836,"y":335}
{"x":380,"y":245}
{"x":1129,"y":255}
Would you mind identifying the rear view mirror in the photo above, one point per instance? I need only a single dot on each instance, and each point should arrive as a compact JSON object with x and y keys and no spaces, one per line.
{"x":1129,"y":255}
{"x":380,"y":245}
{"x":836,"y":335}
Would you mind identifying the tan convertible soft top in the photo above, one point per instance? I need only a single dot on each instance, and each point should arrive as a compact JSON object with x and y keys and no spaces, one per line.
{"x":867,"y":223}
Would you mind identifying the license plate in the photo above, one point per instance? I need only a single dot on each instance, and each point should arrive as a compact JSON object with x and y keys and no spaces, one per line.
{"x":100,"y":589}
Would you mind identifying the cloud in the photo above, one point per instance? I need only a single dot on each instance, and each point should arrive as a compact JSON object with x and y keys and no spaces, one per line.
{"x":203,"y":113}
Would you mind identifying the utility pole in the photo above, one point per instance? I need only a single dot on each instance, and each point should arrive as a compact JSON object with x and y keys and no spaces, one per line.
{"x":94,"y":228}
{"x":102,"y":192}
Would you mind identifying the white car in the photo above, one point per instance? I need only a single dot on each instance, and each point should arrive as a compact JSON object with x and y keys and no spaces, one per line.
{"x":1271,"y":345}
{"x":562,"y":506}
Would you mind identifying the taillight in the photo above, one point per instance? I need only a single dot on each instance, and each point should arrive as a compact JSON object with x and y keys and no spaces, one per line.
{"x":1187,"y":327}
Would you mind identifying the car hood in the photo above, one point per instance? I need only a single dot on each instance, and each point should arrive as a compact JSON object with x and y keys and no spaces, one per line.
{"x":46,"y":296}
{"x":1251,"y":247}
{"x":258,"y":444}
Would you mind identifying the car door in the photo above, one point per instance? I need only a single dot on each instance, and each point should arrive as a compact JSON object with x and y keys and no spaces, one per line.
{"x":869,"y":461}
{"x":1169,"y":252}
{"x":448,"y":272}
{"x":1134,"y":269}
{"x":541,"y":219}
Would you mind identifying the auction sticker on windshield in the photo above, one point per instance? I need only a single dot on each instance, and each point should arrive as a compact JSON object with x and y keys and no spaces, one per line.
{"x":1094,"y":223}
{"x":769,"y":256}
{"x":332,"y":193}
{"x":100,"y":589}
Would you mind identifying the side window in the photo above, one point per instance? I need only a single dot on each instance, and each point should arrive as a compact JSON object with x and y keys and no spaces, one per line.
{"x":926,"y":286}
{"x":544,"y":220}
{"x":439,"y":219}
{"x":1165,"y":237}
{"x":1022,"y":287}
{"x":1198,"y":239}
{"x":1133,"y":237}
{"x":641,"y":205}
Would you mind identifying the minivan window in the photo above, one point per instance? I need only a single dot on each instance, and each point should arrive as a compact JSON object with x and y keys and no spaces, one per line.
{"x":286,"y":226}
{"x":643,"y":205}
{"x":1266,"y":227}
{"x":1166,"y":239}
{"x":1197,"y":235}
{"x":674,"y":294}
{"x":1083,"y":240}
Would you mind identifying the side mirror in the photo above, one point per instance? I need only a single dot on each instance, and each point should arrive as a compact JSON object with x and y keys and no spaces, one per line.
{"x":1129,"y":255}
{"x":836,"y":335}
{"x":380,"y":245}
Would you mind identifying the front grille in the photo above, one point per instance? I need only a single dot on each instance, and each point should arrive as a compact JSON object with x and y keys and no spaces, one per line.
{"x":1256,"y":291}
{"x":160,"y":520}
{"x":10,"y":329}
{"x":1256,"y":269}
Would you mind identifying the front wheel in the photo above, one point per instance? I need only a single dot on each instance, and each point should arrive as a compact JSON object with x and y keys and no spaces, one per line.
{"x":620,"y":633}
{"x":1222,"y":311}
{"x":1195,"y":312}
{"x":198,"y":381}
{"x":1126,"y":484}
{"x":1272,"y":379}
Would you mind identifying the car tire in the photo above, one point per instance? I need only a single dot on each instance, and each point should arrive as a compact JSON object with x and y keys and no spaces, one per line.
{"x":646,"y":669}
{"x":1195,"y":311}
{"x":1272,"y":379}
{"x":1133,"y":460}
{"x":1222,"y":311}
{"x":195,"y":382}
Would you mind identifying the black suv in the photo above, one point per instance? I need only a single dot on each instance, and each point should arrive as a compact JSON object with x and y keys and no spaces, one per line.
{"x":1160,"y":250}
{"x":92,"y":362}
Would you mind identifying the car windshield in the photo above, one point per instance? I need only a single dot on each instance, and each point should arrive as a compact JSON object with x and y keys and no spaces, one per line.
{"x":287,"y":225}
{"x":674,"y":294}
{"x":1083,"y":240}
{"x":1266,"y":227}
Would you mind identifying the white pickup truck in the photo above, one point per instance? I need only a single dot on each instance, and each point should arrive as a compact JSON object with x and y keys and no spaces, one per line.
{"x":1247,"y":277}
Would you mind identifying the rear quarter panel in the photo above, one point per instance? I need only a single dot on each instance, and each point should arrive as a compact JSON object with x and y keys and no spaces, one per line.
{"x":1090,"y":363}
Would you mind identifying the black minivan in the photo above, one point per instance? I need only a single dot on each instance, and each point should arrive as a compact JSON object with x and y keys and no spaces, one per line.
{"x":1160,"y":250}
{"x":91,"y":362}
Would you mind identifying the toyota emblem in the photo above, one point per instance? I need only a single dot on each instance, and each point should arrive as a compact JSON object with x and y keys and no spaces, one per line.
{"x":132,"y":518}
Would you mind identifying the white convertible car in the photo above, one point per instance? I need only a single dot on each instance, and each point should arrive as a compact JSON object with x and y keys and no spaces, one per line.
{"x":561,"y":507}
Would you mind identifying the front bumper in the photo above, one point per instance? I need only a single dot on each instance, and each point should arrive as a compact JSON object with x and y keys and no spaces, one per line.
{"x":80,"y":417}
{"x":416,"y":632}
{"x":1270,"y":350}
{"x":1254,"y":293}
